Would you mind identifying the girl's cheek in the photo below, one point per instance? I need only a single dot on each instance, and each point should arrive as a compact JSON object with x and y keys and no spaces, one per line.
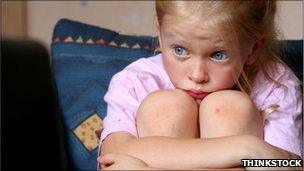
{"x":225,"y":82}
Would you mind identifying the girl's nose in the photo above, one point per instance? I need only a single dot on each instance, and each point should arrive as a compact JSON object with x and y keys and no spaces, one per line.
{"x":199,"y":74}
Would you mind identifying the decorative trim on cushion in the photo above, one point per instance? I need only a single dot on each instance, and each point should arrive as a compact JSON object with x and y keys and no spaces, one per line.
{"x":100,"y":42}
{"x":125,"y":45}
{"x":68,"y":39}
{"x":87,"y":131}
{"x":90,"y":41}
{"x":136,"y":46}
{"x":79,"y":40}
{"x":56,"y":40}
{"x":69,"y":31}
{"x":112,"y":43}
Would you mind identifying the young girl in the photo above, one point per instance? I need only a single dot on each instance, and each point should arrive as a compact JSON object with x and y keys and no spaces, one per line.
{"x":216,"y":94}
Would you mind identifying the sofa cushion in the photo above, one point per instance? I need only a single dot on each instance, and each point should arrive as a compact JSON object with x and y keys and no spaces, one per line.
{"x":84,"y":59}
{"x":292,"y":54}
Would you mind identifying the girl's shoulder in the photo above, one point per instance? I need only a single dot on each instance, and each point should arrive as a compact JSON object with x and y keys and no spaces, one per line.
{"x":275,"y":84}
{"x":149,"y":64}
{"x":143,"y":68}
{"x":275,"y":74}
{"x":142,"y":77}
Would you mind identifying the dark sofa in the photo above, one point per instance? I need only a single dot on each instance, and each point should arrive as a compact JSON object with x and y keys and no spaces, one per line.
{"x":52,"y":106}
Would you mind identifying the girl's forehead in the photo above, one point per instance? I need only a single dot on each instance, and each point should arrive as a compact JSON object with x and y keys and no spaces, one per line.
{"x":198,"y":30}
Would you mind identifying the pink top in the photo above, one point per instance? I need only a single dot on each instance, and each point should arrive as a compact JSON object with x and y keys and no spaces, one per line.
{"x":130,"y":86}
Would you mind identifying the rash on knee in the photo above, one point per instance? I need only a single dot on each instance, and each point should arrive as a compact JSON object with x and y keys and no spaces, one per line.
{"x":163,"y":110}
{"x":229,"y":112}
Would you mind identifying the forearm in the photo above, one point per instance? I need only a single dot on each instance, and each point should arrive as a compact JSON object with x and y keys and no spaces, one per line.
{"x":177,"y":153}
{"x":233,"y":168}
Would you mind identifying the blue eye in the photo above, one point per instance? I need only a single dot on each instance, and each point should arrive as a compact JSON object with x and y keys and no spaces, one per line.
{"x":180,"y":51}
{"x":219,"y":55}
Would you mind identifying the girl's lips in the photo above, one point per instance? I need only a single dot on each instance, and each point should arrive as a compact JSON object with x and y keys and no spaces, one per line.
{"x":197,"y":94}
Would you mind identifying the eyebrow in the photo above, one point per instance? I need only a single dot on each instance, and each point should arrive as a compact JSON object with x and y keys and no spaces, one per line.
{"x":178,"y":40}
{"x":218,"y":43}
{"x":201,"y":37}
{"x":175,"y":36}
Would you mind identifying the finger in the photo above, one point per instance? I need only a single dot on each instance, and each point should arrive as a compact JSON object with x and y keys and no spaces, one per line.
{"x":107,"y":168}
{"x":103,"y":167}
{"x":107,"y":159}
{"x":100,"y":165}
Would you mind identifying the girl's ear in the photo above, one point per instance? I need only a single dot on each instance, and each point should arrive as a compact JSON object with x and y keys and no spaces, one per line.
{"x":255,"y":51}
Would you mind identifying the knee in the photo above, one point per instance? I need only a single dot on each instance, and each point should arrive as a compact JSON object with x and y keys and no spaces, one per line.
{"x":228,"y":102}
{"x":166,"y":110}
{"x":168,"y":101}
{"x":232,"y":110}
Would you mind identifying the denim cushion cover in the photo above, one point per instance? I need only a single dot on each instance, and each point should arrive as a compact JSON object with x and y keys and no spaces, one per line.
{"x":82,"y":72}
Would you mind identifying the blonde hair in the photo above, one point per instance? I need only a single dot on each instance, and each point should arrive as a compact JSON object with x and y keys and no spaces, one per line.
{"x":251,"y":20}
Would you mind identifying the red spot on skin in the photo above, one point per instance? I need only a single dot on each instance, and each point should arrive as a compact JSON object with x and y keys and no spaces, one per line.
{"x":217,"y":110}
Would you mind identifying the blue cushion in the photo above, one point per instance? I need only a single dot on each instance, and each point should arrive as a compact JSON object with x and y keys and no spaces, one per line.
{"x":82,"y":72}
{"x":292,"y":53}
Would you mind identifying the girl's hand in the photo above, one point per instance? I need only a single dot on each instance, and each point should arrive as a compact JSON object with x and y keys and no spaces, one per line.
{"x":268,"y":151}
{"x":264,"y":150}
{"x":118,"y":161}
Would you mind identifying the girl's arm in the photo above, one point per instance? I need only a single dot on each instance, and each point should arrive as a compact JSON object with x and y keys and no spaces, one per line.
{"x":178,"y":153}
{"x":181,"y":153}
{"x":118,"y":161}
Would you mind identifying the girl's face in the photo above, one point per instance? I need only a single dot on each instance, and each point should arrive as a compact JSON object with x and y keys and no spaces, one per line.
{"x":198,"y":60}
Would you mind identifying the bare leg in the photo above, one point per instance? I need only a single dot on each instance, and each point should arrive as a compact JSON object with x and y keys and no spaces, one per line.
{"x":170,"y":113}
{"x":229,"y":112}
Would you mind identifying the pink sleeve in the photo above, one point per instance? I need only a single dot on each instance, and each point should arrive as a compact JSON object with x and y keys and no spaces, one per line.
{"x":121,"y":106}
{"x":283,"y":127}
{"x":126,"y":90}
{"x":120,"y":113}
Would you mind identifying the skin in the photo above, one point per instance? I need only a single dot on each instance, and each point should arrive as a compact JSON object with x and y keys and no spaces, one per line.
{"x":195,"y":57}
